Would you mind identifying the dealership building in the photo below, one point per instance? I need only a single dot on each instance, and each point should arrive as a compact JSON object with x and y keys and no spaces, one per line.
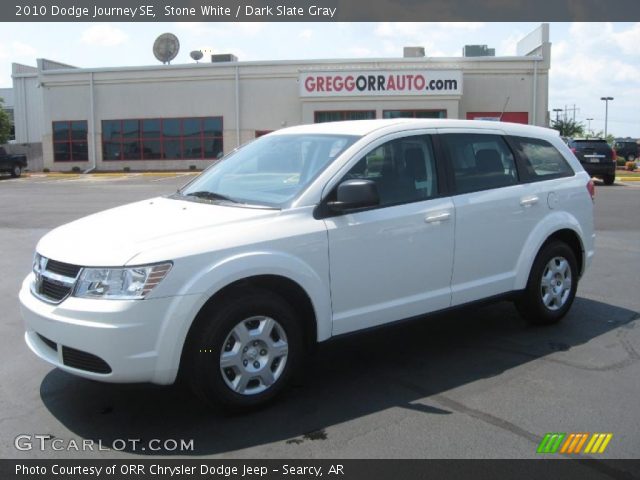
{"x":167,"y":117}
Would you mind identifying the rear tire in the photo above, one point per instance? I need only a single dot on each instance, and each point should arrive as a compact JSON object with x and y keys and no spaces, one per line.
{"x":552,"y":285}
{"x":244,"y":350}
{"x":16,"y":171}
{"x":608,"y":179}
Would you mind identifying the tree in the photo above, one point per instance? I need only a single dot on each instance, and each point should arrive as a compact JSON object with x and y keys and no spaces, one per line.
{"x":5,"y":124}
{"x":568,"y":127}
{"x":610,"y":137}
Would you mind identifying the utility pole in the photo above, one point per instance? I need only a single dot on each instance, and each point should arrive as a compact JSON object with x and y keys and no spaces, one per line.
{"x":557,"y":110}
{"x":574,"y":110}
{"x":606,"y":113}
{"x":589,"y":127}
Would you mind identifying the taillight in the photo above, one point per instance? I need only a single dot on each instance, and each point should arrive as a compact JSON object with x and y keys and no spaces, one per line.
{"x":615,"y":154}
{"x":573,"y":150}
{"x":591,"y":188}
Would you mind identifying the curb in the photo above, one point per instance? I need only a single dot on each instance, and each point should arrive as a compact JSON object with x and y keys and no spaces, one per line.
{"x":109,"y":174}
{"x":628,"y":179}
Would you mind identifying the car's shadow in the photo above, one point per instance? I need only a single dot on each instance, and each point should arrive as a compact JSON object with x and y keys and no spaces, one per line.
{"x":398,"y":366}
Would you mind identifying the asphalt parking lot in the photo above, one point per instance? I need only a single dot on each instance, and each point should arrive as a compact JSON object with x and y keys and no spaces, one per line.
{"x":478,"y":383}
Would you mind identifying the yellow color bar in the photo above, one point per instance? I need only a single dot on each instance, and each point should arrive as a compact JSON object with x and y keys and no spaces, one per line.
{"x":606,"y":441}
{"x":598,"y":442}
{"x":591,"y":442}
{"x":581,"y":443}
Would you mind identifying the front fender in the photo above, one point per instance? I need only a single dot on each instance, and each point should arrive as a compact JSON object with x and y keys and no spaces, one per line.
{"x":226,"y":271}
{"x":245,"y":265}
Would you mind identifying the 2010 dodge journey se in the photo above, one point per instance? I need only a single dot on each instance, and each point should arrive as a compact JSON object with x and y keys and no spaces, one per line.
{"x":307,"y":233}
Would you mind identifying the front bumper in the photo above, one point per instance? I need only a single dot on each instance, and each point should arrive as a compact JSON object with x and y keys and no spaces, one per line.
{"x":139,"y":340}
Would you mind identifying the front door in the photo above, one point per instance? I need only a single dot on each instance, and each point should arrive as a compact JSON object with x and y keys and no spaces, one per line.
{"x":393,"y":261}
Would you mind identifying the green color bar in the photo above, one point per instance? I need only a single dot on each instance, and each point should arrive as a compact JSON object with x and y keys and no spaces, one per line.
{"x":543,"y":443}
{"x":557,"y":444}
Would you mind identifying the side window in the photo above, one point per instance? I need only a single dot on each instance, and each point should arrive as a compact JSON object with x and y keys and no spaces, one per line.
{"x":480,"y":161}
{"x":541,"y":159}
{"x":403,"y":169}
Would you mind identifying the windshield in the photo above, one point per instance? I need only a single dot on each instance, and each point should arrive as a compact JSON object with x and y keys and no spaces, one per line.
{"x":269,"y":171}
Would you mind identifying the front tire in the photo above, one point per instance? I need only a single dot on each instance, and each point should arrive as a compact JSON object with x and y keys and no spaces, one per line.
{"x":16,"y":171}
{"x":245,"y":350}
{"x":552,"y":285}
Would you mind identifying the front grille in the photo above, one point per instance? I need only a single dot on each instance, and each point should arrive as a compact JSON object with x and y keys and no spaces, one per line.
{"x":64,"y":269}
{"x":53,"y":291}
{"x":50,"y":343}
{"x":84,"y":361}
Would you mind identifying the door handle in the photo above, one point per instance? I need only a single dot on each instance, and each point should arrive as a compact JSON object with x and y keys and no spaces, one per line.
{"x":438,"y":217}
{"x":528,"y":201}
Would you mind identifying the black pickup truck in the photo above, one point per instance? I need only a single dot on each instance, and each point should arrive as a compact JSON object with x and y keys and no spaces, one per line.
{"x":13,"y":164}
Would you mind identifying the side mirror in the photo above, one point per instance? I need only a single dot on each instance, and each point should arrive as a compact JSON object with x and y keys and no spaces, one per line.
{"x":355,"y":194}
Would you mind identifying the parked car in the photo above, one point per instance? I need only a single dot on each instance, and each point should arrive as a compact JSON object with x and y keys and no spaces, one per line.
{"x":13,"y":164}
{"x":596,"y":157}
{"x":305,"y":234}
{"x":627,"y":149}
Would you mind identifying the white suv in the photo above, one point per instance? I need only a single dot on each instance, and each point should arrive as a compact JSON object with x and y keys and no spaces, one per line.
{"x":308,"y":233}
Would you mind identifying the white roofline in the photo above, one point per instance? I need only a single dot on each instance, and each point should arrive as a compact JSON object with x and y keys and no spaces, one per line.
{"x":312,"y":62}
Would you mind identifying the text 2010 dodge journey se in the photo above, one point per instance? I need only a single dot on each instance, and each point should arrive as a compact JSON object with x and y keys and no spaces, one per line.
{"x":304,"y":234}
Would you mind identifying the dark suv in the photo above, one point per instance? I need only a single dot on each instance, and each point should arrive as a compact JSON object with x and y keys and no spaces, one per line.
{"x":627,"y":149}
{"x":596,"y":157}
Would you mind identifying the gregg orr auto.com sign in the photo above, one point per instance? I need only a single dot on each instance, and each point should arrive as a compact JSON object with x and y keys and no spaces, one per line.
{"x":366,"y":83}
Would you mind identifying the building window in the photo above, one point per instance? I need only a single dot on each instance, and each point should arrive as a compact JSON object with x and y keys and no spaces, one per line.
{"x":339,"y":115}
{"x":414,"y":114}
{"x":195,"y":138}
{"x":70,"y":141}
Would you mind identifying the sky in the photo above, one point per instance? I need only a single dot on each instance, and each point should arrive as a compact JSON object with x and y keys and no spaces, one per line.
{"x":588,"y":60}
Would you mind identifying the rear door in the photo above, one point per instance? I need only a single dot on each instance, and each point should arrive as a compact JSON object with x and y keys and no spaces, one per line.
{"x":495,"y":212}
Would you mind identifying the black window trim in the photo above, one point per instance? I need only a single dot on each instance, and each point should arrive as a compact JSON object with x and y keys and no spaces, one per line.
{"x":322,"y":211}
{"x":449,"y":162}
{"x":514,"y":144}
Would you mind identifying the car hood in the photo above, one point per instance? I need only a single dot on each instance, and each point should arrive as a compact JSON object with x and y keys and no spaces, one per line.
{"x":115,"y":236}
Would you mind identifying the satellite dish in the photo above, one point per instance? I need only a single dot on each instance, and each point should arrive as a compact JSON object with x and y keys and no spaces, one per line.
{"x":196,"y":55}
{"x":166,"y":47}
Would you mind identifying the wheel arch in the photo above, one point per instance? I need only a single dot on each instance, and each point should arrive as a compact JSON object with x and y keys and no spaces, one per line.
{"x":290,"y":290}
{"x":567,"y":230}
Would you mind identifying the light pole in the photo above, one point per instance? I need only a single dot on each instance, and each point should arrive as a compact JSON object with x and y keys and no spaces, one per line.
{"x":589,"y":126}
{"x":606,"y":113}
{"x":557,"y":110}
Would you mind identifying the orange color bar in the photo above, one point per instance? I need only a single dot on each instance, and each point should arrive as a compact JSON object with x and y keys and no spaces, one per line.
{"x":567,"y":442}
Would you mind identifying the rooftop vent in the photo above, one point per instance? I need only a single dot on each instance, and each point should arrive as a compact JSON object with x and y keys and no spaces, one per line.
{"x":478,"y":51}
{"x":223,"y":57}
{"x":413,"y":52}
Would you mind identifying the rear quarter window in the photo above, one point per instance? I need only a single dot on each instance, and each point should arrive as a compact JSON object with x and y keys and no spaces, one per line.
{"x":540,"y":159}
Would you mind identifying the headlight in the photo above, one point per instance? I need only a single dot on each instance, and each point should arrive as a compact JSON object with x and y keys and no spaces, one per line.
{"x":120,"y":283}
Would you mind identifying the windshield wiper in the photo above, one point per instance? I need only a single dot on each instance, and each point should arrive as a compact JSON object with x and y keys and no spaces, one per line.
{"x":210,"y":196}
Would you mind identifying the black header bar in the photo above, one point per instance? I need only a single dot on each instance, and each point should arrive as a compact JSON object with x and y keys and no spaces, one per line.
{"x":318,"y":11}
{"x":143,"y":469}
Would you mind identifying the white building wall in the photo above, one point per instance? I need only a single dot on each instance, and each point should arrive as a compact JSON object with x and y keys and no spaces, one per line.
{"x":28,"y":109}
{"x":268,"y":97}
